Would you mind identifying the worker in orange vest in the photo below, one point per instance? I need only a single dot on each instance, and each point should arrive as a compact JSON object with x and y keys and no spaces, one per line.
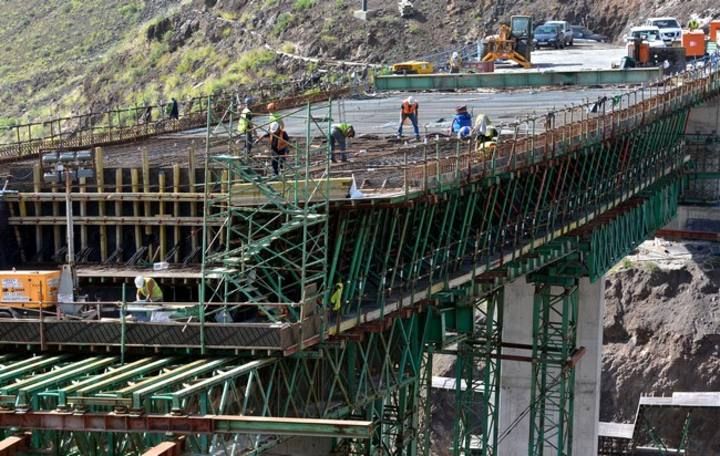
{"x":409,"y":110}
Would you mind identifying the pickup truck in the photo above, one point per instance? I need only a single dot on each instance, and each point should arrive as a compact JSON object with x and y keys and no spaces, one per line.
{"x":670,"y":29}
{"x":566,"y":30}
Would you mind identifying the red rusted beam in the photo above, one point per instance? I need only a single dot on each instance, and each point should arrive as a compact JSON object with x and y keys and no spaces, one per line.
{"x":576,"y":356}
{"x":174,"y":448}
{"x":206,"y":424}
{"x":688,"y":235}
{"x":13,"y":445}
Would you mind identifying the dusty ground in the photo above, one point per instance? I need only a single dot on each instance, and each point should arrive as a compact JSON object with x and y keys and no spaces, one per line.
{"x":662,"y":332}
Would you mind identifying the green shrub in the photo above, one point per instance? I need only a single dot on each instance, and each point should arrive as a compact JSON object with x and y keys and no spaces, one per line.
{"x":282,"y":23}
{"x":303,"y":4}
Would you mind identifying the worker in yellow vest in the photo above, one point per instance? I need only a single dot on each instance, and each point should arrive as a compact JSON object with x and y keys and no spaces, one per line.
{"x":147,"y":290}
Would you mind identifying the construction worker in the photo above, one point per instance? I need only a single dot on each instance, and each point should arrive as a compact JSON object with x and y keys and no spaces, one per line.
{"x":338,"y":133}
{"x":409,"y":110}
{"x":275,"y":117}
{"x":693,"y":23}
{"x":147,"y":290}
{"x":279,"y":146}
{"x":455,"y":62}
{"x":484,"y":130}
{"x":462,"y":123}
{"x":173,"y":110}
{"x":245,"y":126}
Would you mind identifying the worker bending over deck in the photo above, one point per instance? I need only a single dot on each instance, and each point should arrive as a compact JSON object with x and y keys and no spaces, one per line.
{"x":462,"y":123}
{"x":337,"y":136}
{"x":147,"y":290}
{"x":409,"y":110}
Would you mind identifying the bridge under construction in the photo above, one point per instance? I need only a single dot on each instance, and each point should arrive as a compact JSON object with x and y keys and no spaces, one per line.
{"x":307,"y":309}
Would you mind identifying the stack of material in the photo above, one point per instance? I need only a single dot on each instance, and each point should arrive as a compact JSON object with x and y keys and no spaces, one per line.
{"x":406,"y":8}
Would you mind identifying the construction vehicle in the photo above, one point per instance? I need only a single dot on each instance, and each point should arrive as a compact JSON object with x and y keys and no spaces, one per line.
{"x":513,"y":42}
{"x":413,"y":67}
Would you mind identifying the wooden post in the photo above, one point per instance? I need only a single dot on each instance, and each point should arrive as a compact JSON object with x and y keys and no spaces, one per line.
{"x":118,"y":210}
{"x":37,"y":184}
{"x":83,"y":213}
{"x":176,"y":210}
{"x":146,"y":189}
{"x":100,"y":179}
{"x":193,"y":189}
{"x":161,"y":212}
{"x":135,"y":187}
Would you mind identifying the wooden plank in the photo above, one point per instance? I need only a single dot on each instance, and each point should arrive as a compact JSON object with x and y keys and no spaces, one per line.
{"x":109,"y":220}
{"x":176,"y":210}
{"x":161,"y":214}
{"x":13,"y":445}
{"x":100,"y":180}
{"x":165,"y":449}
{"x":37,"y":183}
{"x":191,"y":181}
{"x":146,"y":189}
{"x":135,"y":188}
{"x":118,"y":210}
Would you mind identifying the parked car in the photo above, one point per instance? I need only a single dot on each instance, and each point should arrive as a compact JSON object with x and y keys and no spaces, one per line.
{"x":649,"y":33}
{"x":670,"y":29}
{"x":583,"y":33}
{"x":548,"y":35}
{"x":566,"y":30}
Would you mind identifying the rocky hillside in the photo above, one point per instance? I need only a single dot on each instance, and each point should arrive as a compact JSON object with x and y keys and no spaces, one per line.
{"x":64,"y":57}
{"x":662,"y":334}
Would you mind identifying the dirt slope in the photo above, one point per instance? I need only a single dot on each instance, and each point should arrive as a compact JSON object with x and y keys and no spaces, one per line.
{"x":662,"y":334}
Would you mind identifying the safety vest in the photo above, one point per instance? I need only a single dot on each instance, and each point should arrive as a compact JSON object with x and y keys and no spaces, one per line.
{"x":244,"y":123}
{"x":336,"y":298}
{"x":157,"y":294}
{"x":408,"y":108}
{"x":344,"y":128}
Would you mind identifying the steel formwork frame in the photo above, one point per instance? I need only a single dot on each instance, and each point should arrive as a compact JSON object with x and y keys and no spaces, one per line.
{"x":572,"y":203}
{"x":271,"y":253}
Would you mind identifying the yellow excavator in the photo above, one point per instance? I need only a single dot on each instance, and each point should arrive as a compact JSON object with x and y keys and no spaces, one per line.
{"x":513,"y":42}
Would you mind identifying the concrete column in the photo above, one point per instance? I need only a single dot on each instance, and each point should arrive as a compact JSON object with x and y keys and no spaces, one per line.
{"x":704,"y":119}
{"x":515,"y":377}
{"x":587,"y":373}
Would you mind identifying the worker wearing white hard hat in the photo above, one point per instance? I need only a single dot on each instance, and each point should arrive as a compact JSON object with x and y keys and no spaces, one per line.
{"x":455,"y":63}
{"x":409,"y":110}
{"x":147,"y":290}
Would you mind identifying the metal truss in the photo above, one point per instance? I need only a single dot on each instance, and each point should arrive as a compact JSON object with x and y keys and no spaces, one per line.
{"x":477,"y":382}
{"x":555,"y":318}
{"x":228,"y":405}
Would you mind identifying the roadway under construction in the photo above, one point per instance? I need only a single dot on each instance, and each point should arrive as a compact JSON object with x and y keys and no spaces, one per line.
{"x":485,"y":253}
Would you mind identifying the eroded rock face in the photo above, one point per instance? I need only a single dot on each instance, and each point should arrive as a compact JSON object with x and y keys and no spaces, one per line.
{"x":662,"y":334}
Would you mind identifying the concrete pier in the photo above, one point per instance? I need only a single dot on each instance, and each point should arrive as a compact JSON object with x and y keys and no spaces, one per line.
{"x":516,"y":376}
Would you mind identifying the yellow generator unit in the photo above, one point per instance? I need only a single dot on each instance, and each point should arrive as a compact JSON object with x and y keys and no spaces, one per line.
{"x":413,"y":67}
{"x":29,"y":289}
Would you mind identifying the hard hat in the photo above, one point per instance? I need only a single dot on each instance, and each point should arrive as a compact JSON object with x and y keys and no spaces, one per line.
{"x":271,"y":107}
{"x":455,"y":54}
{"x":464,"y":132}
{"x":139,"y":282}
{"x":248,"y":101}
{"x":274,"y":127}
{"x":411,"y":99}
{"x":462,"y":108}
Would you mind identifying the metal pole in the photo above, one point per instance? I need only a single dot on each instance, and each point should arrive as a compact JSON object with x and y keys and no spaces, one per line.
{"x":69,"y":222}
